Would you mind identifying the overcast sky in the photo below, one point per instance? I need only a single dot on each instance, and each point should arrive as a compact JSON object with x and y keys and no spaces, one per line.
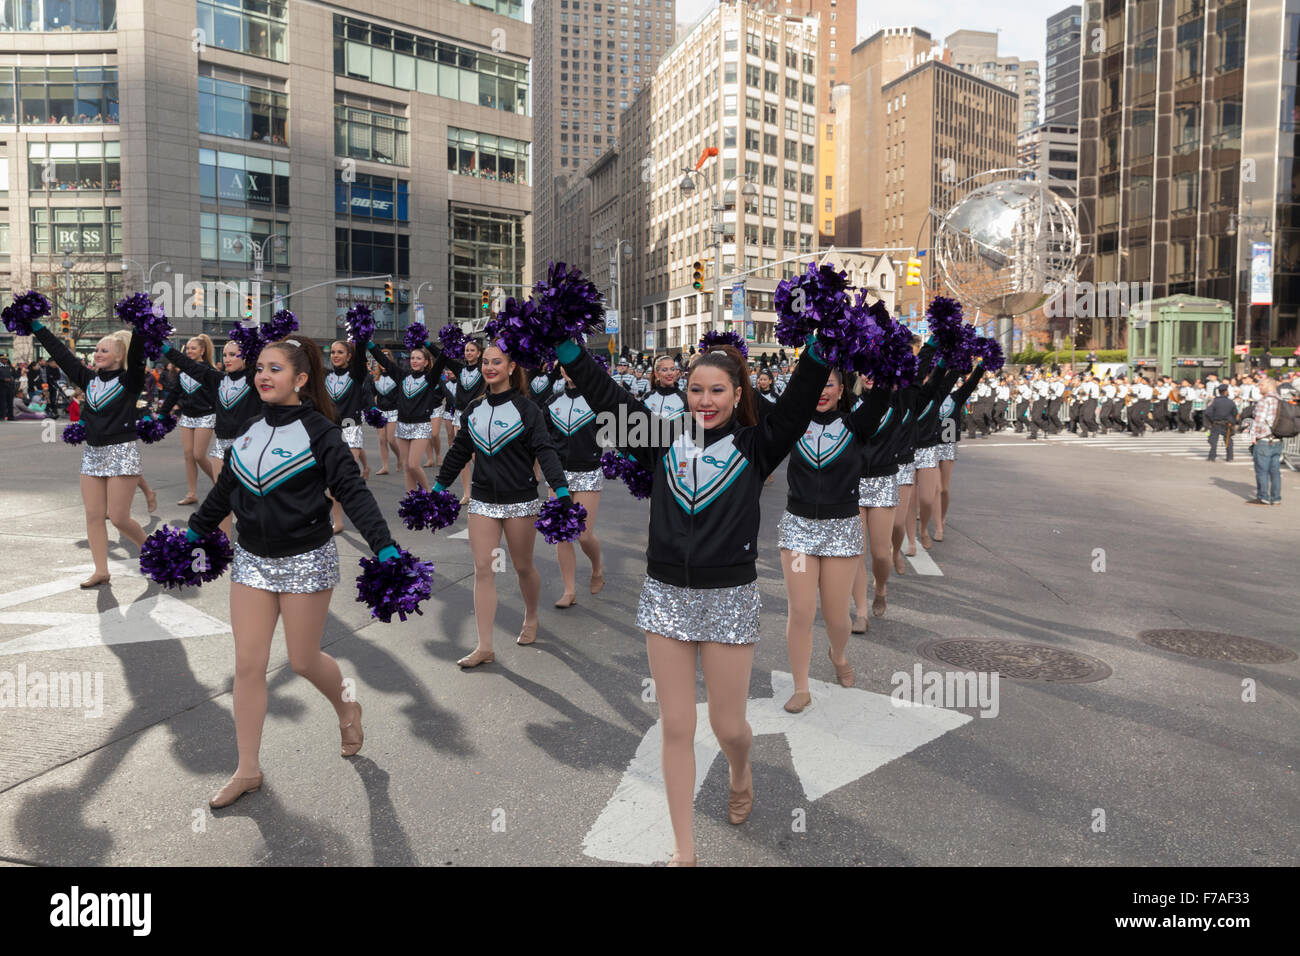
{"x":1023,"y":22}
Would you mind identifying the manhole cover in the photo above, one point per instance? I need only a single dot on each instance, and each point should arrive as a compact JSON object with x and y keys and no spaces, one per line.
{"x":1018,"y":661}
{"x":1216,"y":646}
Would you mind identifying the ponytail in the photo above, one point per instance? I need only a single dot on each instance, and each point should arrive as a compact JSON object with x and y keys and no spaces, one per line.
{"x":729,"y":359}
{"x":305,"y":356}
{"x":205,"y":343}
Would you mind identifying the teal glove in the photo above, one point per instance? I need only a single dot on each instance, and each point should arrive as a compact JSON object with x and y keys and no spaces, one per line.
{"x":568,"y":350}
{"x":562,"y":491}
{"x":439,"y":486}
{"x":811,"y":344}
{"x":191,"y":535}
{"x":36,"y":324}
{"x":389,"y":553}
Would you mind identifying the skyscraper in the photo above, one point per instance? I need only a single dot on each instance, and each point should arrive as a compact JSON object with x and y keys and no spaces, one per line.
{"x":591,"y":57}
{"x":976,"y":52}
{"x":1061,"y":78}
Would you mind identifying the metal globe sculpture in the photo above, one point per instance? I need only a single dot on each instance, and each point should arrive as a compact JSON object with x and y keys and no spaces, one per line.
{"x":1007,"y":246}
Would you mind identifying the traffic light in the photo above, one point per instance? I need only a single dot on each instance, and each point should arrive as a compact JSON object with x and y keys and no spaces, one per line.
{"x":388,"y":293}
{"x":913,"y":271}
{"x":198,"y":299}
{"x":697,"y":274}
{"x":65,"y":323}
{"x":486,"y":300}
{"x":248,"y":307}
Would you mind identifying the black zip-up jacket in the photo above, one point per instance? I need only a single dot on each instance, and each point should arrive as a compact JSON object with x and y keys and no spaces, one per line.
{"x":573,"y":427}
{"x":504,"y":432}
{"x":418,"y":393}
{"x":827,"y":459}
{"x":469,"y":382}
{"x":237,"y":396}
{"x":929,"y":421}
{"x":704,"y":502}
{"x":541,"y":385}
{"x":958,"y":401}
{"x":108,"y":412}
{"x":386,"y":390}
{"x":346,"y":388}
{"x":188,"y":393}
{"x":275,"y":480}
{"x":666,"y":401}
{"x":764,"y":401}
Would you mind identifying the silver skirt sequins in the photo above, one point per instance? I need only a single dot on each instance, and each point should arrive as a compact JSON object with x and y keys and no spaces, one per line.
{"x":413,"y":430}
{"x":927,"y":458}
{"x":584,"y":480}
{"x":391,"y":414}
{"x":947,"y":451}
{"x":353,"y":438}
{"x":111,"y":461}
{"x":519,"y":509}
{"x":207,"y":421}
{"x":720,"y":615}
{"x":447,"y":415}
{"x":820,"y":537}
{"x":219,"y":446}
{"x":878,"y":492}
{"x":297,"y":574}
{"x":907,"y":474}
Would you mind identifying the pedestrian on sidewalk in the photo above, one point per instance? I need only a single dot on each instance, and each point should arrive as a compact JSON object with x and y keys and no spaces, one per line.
{"x":1221,"y":416}
{"x":1265,"y":447}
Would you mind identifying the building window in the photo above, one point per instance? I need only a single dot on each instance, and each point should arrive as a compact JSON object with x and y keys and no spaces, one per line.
{"x":487,"y":249}
{"x":486,"y":156}
{"x":75,"y":166}
{"x":260,"y":28}
{"x":218,"y":232}
{"x":92,"y":230}
{"x":243,"y":112}
{"x":437,"y":67}
{"x":55,"y":16}
{"x":371,"y":251}
{"x":366,"y":134}
{"x":239,"y":179}
{"x":59,"y":95}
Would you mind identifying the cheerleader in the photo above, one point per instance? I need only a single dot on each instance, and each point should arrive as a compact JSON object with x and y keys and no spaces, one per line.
{"x":236,"y":399}
{"x":470,"y":384}
{"x":665,"y":398}
{"x":416,"y":399}
{"x":820,"y":535}
{"x":198,"y":417}
{"x":284,"y":466}
{"x":932,"y":429}
{"x":541,"y":385}
{"x":764,"y":399}
{"x":506,"y":431}
{"x":700,"y":599}
{"x":110,"y":463}
{"x":385,"y":387}
{"x":345,"y":385}
{"x":573,"y":428}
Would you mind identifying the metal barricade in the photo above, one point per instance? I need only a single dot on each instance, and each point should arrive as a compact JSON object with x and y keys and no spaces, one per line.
{"x":1291,"y":452}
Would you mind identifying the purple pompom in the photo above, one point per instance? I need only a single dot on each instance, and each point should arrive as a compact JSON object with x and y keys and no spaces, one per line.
{"x":24,"y":310}
{"x":816,"y":301}
{"x":422,"y":509}
{"x":601,"y":360}
{"x":954,"y":341}
{"x":638,"y":479}
{"x":168,"y":423}
{"x":443,"y":510}
{"x":169,"y":558}
{"x":150,"y":430}
{"x":884,"y":354}
{"x":416,"y":336}
{"x":713,"y":339}
{"x":561,"y":521}
{"x":75,"y":433}
{"x":250,"y":340}
{"x":568,"y":306}
{"x":148,"y":320}
{"x":360,"y":322}
{"x":375,"y":417}
{"x":283,"y":323}
{"x":452,"y":339}
{"x":611,"y":465}
{"x":990,"y":351}
{"x":394,"y":587}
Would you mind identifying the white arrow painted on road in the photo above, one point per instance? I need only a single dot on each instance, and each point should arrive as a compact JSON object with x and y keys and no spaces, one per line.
{"x":922,"y":563}
{"x":845,"y":734}
{"x":464,"y":535}
{"x":157,"y":618}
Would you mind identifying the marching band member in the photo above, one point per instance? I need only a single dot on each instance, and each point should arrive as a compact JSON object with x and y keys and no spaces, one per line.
{"x":1041,"y":391}
{"x":1188,"y":395}
{"x":1001,"y":398}
{"x":1024,"y":401}
{"x":1137,"y":413}
{"x":1087,"y":394}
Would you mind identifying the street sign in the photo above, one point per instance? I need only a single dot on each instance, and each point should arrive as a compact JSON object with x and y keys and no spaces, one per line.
{"x":611,"y":346}
{"x":611,"y":321}
{"x":1242,"y":350}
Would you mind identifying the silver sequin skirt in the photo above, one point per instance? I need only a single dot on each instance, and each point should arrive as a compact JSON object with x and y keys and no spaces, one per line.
{"x":219,"y":446}
{"x":111,"y":461}
{"x":353,"y":438}
{"x":947,"y":451}
{"x":720,"y":615}
{"x":820,"y":537}
{"x":927,"y":458}
{"x":519,"y":509}
{"x":413,"y":430}
{"x":207,"y":421}
{"x":447,"y":414}
{"x":907,"y":474}
{"x":391,"y":414}
{"x":584,"y":480}
{"x":297,"y":574}
{"x":878,"y":492}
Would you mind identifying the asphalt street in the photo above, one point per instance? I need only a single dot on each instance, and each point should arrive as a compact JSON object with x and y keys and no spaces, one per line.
{"x":1080,"y":546}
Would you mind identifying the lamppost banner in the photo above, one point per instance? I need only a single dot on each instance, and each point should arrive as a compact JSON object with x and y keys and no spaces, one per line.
{"x":1261,"y":273}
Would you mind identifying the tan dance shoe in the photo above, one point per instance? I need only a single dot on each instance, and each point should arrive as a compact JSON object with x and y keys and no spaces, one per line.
{"x":477,"y":658}
{"x":352,"y":734}
{"x":235,"y":788}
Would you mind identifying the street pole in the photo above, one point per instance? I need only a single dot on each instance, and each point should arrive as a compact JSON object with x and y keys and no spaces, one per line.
{"x":618,"y":294}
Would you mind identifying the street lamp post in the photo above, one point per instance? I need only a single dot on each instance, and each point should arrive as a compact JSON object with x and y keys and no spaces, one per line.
{"x":616,"y":284}
{"x":716,"y":193}
{"x":1261,"y":226}
{"x":259,"y":255}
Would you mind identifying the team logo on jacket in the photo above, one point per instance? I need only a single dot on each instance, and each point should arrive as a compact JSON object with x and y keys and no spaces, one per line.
{"x":540,"y":383}
{"x":190,"y":385}
{"x":231,"y":391}
{"x":99,"y":393}
{"x":822,"y":444}
{"x":946,"y":408}
{"x":268,"y":457}
{"x":571,"y":414}
{"x":337,"y":385}
{"x":493,"y":428}
{"x":469,"y":377}
{"x":697,"y":477}
{"x":666,"y":406}
{"x":413,"y":385}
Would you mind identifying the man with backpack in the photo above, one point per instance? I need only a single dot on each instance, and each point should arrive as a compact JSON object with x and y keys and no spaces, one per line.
{"x":1272,"y":422}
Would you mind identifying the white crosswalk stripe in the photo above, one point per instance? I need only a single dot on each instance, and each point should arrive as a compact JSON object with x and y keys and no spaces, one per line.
{"x":1191,"y":445}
